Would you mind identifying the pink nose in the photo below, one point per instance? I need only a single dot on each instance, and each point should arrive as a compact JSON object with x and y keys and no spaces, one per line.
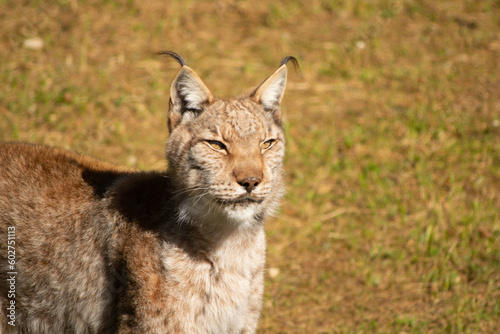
{"x":250,"y":183}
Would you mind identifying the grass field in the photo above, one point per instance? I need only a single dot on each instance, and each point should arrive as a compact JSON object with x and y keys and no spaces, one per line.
{"x":391,"y":223}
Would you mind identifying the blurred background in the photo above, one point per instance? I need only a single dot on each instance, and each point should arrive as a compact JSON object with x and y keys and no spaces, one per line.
{"x":391,"y":223}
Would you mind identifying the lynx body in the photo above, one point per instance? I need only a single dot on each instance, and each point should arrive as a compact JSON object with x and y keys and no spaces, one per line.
{"x":102,"y":249}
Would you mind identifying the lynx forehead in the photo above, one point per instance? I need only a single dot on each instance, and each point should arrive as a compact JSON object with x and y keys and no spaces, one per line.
{"x":233,"y":119}
{"x":102,"y":249}
{"x":238,"y":114}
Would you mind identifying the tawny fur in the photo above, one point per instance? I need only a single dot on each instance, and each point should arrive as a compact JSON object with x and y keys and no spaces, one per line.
{"x":103,"y":249}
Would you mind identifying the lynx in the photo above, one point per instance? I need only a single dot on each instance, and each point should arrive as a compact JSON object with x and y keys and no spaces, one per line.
{"x":89,"y":247}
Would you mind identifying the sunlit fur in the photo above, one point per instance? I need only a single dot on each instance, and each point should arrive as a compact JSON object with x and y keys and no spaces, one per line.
{"x":102,"y":249}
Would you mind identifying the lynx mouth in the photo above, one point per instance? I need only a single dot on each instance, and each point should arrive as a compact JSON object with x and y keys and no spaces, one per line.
{"x":239,"y":201}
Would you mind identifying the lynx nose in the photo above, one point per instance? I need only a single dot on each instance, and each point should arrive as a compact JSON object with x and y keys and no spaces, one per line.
{"x":250,"y":183}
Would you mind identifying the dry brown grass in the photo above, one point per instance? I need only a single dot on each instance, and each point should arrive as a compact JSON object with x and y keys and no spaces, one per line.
{"x":391,"y":223}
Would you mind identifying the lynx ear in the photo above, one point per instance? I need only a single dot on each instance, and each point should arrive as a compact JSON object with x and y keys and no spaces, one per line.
{"x":270,"y":92}
{"x":188,"y":94}
{"x":189,"y":91}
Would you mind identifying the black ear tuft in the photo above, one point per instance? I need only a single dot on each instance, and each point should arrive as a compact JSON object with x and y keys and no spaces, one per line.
{"x":173,"y":55}
{"x":285,"y":60}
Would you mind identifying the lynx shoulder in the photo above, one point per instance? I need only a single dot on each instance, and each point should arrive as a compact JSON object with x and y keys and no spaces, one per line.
{"x":90,"y":247}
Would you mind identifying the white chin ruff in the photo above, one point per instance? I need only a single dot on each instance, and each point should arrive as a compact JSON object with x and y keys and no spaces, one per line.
{"x":241,"y":214}
{"x":205,"y":211}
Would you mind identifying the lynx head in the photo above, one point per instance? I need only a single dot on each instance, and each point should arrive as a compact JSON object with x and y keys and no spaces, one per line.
{"x":225,"y":156}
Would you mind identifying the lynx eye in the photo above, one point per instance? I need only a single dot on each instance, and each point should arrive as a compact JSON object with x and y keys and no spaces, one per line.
{"x":215,"y":145}
{"x":267,"y":144}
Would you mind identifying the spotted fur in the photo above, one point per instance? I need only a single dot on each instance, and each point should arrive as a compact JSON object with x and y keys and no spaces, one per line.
{"x":103,"y":249}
